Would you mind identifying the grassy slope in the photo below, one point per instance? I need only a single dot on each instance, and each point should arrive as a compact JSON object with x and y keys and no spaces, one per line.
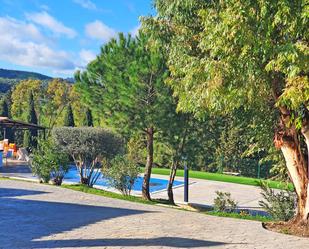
{"x":224,"y":178}
{"x":85,"y":189}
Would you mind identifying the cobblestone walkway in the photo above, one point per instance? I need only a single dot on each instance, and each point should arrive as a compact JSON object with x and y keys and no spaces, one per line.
{"x":41,"y":216}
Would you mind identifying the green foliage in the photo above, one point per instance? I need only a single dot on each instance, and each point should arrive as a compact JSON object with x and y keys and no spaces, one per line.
{"x":109,"y":194}
{"x":87,"y":145}
{"x":280,"y":205}
{"x":121,"y":173}
{"x":126,"y":84}
{"x":4,"y":109}
{"x":224,"y":203}
{"x":136,"y":151}
{"x":6,"y":85}
{"x":240,"y":215}
{"x":27,"y":140}
{"x":69,"y":117}
{"x":89,"y":119}
{"x":30,"y":137}
{"x":51,"y":102}
{"x":48,"y":161}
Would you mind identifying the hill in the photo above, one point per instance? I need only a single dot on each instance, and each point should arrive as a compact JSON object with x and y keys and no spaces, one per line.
{"x":21,"y":75}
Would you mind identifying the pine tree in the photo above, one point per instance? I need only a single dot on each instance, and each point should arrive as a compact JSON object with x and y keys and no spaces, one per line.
{"x":4,"y":111}
{"x":69,"y":117}
{"x":134,"y":92}
{"x":32,"y":117}
{"x":27,"y":139}
{"x":89,"y":119}
{"x":30,"y":137}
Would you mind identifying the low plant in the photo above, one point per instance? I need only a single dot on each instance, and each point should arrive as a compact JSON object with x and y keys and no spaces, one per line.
{"x":281,"y":205}
{"x":121,"y":173}
{"x":49,"y":162}
{"x":224,"y":203}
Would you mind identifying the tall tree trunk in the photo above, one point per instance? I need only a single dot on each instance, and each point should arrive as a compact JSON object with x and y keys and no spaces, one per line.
{"x":287,"y":138}
{"x":149,"y":163}
{"x":288,"y":142}
{"x":175,"y":165}
{"x":171,"y":179}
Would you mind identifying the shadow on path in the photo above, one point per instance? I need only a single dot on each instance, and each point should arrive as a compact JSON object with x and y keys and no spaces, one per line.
{"x":176,"y":242}
{"x":22,"y":221}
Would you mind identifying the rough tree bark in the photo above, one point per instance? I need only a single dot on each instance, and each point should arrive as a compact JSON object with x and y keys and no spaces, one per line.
{"x":288,"y":142}
{"x":149,"y":163}
{"x":288,"y":139}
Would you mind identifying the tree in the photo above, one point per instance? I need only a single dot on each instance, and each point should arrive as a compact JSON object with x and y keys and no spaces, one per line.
{"x":69,"y":117}
{"x":4,"y":109}
{"x":48,"y":161}
{"x":89,"y":120}
{"x":5,"y":112}
{"x":57,"y":97}
{"x":227,"y":54}
{"x":20,"y":98}
{"x":121,"y":173}
{"x":30,"y":137}
{"x":126,"y":83}
{"x":87,"y":146}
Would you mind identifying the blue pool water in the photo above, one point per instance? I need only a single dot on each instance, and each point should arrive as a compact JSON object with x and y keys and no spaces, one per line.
{"x":155,"y":183}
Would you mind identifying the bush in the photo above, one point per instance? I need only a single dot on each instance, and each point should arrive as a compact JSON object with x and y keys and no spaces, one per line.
{"x":121,"y":173}
{"x":49,"y":162}
{"x":280,"y":205}
{"x":224,"y":203}
{"x":87,"y":146}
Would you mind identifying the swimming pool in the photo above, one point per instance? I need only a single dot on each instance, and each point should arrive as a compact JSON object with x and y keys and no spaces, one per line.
{"x":156,"y":184}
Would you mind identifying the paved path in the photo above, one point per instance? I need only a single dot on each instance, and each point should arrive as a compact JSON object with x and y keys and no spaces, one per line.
{"x":41,"y":216}
{"x":204,"y":192}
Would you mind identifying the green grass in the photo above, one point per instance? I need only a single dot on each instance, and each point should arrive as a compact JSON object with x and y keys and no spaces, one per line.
{"x":86,"y":189}
{"x":240,"y":216}
{"x":224,"y":178}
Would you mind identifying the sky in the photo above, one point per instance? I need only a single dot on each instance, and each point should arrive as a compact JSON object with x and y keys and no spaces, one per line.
{"x":57,"y":37}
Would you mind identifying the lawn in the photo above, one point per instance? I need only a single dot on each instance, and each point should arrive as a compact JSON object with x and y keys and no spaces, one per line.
{"x":224,"y":178}
{"x":86,"y":189}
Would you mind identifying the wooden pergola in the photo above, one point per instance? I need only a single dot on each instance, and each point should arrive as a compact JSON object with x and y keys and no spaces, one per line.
{"x":5,"y":122}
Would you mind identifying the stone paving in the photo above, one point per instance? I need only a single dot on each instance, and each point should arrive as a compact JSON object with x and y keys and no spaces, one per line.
{"x":204,"y":191}
{"x":41,"y":216}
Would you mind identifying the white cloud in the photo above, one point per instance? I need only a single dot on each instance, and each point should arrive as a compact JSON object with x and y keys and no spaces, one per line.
{"x":134,"y":31}
{"x":99,"y":31}
{"x":47,"y":21}
{"x":23,"y":44}
{"x":17,"y":29}
{"x":86,"y":56}
{"x":87,"y":4}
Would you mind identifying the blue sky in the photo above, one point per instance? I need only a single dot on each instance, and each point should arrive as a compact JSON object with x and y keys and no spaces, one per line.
{"x":56,"y":37}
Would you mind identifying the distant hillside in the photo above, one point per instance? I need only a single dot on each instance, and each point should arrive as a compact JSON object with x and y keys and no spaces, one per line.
{"x":21,"y":75}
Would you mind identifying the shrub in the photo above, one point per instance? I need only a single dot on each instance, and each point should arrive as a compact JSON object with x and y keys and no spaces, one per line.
{"x":224,"y":203}
{"x":280,"y":205}
{"x":121,"y":173}
{"x":49,"y":162}
{"x":87,"y":145}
